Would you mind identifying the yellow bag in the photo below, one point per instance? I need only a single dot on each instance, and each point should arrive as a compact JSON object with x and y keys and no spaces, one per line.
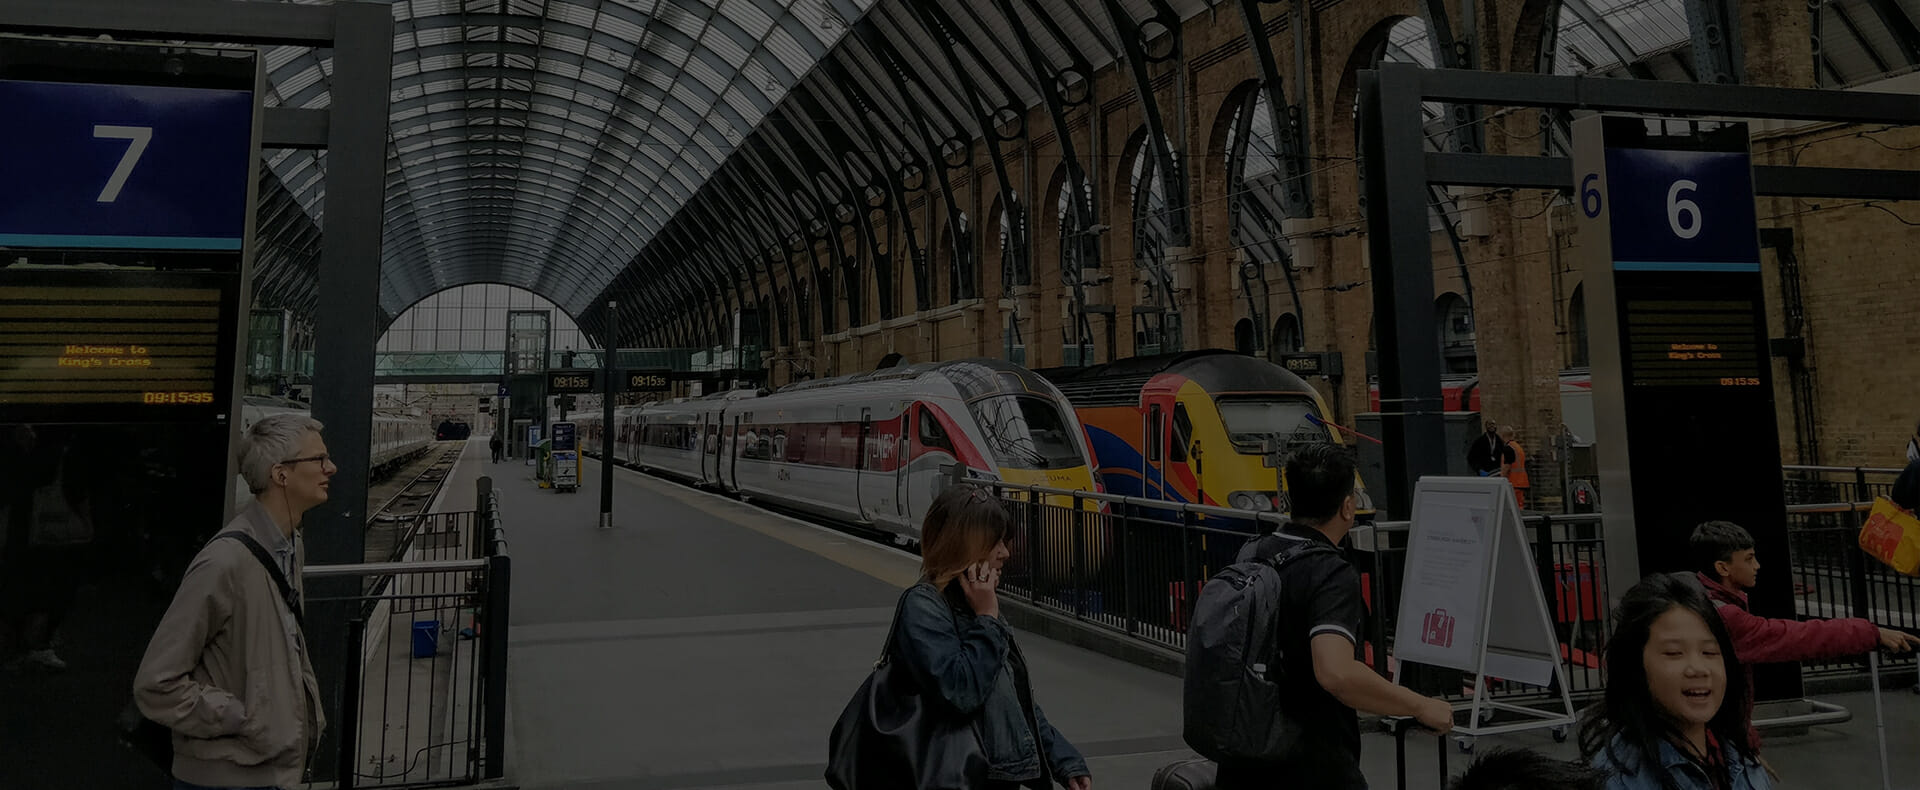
{"x":1892,"y":536}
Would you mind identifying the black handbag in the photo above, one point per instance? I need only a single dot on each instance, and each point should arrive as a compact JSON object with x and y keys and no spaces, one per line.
{"x":892,"y":736}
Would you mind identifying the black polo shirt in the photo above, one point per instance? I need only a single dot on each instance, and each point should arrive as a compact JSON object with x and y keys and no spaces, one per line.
{"x":1320,"y":594}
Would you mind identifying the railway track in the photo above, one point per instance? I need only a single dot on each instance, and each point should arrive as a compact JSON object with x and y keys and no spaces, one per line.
{"x":392,"y":522}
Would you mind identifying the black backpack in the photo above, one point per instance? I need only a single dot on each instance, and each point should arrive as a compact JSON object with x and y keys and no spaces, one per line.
{"x":1232,"y":707}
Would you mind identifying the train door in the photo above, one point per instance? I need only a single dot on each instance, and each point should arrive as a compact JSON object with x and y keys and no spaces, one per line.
{"x":709,"y":448}
{"x":874,"y":481}
{"x":731,"y":481}
{"x":716,"y":446}
{"x":902,"y":452}
{"x":1153,"y":440}
{"x":903,"y":455}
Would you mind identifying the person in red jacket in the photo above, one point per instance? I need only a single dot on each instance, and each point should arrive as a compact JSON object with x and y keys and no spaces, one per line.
{"x":1728,"y":566}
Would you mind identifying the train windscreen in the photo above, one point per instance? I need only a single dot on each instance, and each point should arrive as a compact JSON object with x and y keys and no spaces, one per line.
{"x":1026,"y":433}
{"x":1249,"y":421}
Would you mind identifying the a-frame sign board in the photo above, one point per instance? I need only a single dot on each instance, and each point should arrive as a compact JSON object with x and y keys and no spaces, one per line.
{"x":1470,"y":599}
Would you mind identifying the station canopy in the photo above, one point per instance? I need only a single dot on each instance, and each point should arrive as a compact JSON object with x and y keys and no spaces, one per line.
{"x":593,"y":149}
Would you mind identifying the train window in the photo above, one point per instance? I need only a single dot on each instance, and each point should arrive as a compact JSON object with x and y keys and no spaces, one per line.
{"x":1182,"y":434}
{"x":1026,"y":433}
{"x":1153,"y":433}
{"x":1250,"y":421}
{"x":931,"y":434}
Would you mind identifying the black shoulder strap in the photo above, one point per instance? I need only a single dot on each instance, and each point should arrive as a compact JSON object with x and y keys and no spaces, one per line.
{"x":1279,"y":559}
{"x":273,"y":569}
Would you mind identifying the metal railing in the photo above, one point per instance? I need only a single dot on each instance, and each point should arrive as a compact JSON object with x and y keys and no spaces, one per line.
{"x":1826,"y":484}
{"x":1135,"y":566}
{"x":426,"y":669}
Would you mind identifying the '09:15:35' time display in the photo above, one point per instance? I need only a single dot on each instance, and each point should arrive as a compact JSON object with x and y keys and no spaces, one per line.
{"x":176,"y":398}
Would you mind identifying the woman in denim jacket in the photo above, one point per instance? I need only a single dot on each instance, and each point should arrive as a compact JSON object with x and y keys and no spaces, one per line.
{"x":952,"y":638}
{"x":1673,"y":716}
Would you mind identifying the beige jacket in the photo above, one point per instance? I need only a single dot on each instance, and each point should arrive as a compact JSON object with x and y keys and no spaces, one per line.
{"x":228,"y":671}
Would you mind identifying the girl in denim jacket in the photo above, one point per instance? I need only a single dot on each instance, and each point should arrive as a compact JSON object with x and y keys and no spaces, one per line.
{"x":952,"y":638}
{"x":1672,"y":717}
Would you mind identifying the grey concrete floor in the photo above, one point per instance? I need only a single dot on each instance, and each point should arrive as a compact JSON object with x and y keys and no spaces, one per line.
{"x":703,"y":643}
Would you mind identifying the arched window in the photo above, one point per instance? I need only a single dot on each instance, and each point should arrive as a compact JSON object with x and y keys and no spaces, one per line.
{"x":1255,"y":180}
{"x":1287,"y":337}
{"x":1577,"y":328}
{"x":1015,"y":266}
{"x":1155,"y":332}
{"x":1075,"y":333}
{"x":1455,"y":319}
{"x":1243,"y":336}
{"x":1016,"y":346}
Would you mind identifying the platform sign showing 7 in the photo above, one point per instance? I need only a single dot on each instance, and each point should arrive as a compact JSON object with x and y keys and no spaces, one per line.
{"x":137,"y":138}
{"x":89,"y":166}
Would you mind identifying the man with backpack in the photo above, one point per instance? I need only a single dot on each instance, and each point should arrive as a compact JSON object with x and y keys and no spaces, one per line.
{"x":1274,"y":660}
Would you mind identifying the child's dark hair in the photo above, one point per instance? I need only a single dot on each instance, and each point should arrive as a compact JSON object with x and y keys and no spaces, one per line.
{"x":1628,"y":724}
{"x":1524,"y":769}
{"x":1319,"y":479}
{"x":1716,"y":541}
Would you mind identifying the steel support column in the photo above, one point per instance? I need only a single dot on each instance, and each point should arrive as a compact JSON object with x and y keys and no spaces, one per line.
{"x":1170,"y":172}
{"x":343,"y":361}
{"x":1412,"y":425}
{"x":960,"y":266}
{"x":1288,"y":118}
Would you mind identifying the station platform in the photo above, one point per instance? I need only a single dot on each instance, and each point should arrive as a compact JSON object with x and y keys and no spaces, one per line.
{"x":705,"y":643}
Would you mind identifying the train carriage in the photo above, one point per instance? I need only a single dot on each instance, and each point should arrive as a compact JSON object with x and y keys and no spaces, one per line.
{"x":867,"y":449}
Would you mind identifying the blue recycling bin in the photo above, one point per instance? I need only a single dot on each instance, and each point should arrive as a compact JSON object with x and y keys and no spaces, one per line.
{"x":426,"y":638}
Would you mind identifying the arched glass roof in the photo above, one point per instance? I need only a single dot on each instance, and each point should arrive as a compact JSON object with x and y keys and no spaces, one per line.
{"x":662,"y":152}
{"x":544,"y":142}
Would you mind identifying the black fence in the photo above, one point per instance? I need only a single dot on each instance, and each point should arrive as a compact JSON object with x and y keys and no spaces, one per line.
{"x":426,"y":671}
{"x":1135,"y":566}
{"x":1832,"y":577}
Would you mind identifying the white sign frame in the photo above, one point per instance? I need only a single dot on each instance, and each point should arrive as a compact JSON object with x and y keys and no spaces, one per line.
{"x":1479,"y":516}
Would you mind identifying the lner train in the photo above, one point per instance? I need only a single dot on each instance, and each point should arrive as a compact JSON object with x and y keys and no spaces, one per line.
{"x":1198,"y":427}
{"x":866,"y":449}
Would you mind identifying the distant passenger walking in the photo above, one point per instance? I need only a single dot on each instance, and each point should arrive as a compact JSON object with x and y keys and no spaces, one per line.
{"x":1727,"y":567}
{"x":963,"y":662}
{"x":1321,"y":678}
{"x":493,"y":443}
{"x":227,"y":669}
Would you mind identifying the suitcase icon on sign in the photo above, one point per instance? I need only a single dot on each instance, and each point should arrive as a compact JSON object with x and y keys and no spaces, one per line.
{"x":1438,"y":630}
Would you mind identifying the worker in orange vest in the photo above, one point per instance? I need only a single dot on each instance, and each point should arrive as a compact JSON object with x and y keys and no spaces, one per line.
{"x":1513,"y":465}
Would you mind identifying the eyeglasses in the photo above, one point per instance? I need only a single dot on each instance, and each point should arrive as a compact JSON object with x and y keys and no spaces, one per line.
{"x":323,"y":458}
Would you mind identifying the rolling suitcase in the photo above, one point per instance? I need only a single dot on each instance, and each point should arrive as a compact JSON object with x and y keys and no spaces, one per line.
{"x":1192,"y":774}
{"x":1400,"y":726}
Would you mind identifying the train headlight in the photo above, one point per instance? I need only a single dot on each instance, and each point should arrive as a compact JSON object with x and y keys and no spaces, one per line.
{"x":1257,"y":501}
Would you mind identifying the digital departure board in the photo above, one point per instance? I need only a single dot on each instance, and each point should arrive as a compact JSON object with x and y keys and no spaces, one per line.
{"x":573,"y":382}
{"x":648,"y":381}
{"x":1694,"y":343}
{"x":97,"y":345}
